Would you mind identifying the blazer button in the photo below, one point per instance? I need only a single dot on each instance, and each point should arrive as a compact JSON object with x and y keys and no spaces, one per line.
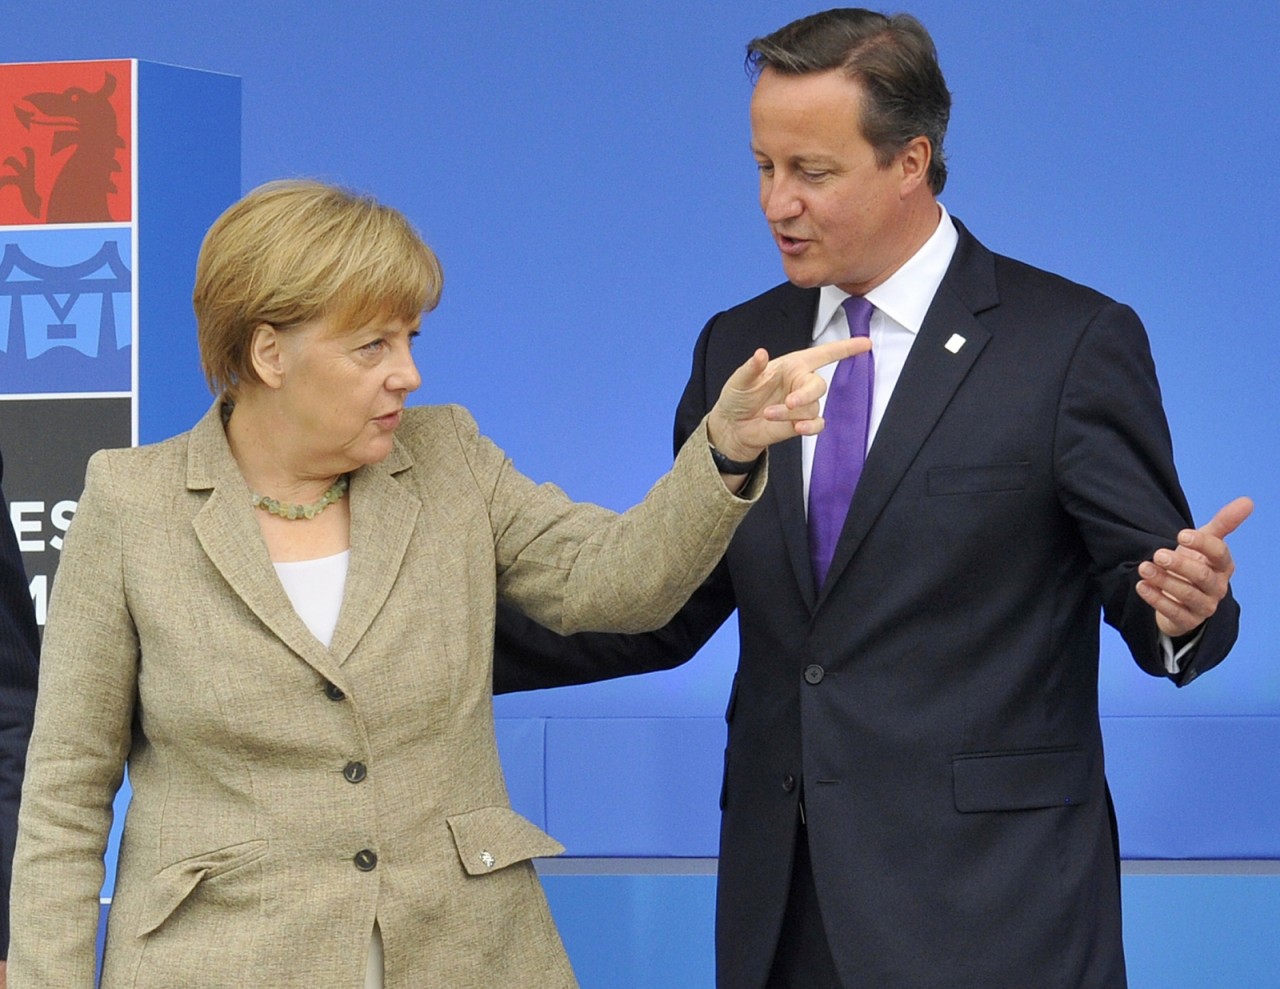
{"x":788,"y":782}
{"x":354,"y":772}
{"x":366,"y":860}
{"x":334,"y":692}
{"x":814,"y":673}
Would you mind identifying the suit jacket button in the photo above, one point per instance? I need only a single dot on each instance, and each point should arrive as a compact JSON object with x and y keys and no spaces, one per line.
{"x":334,"y":692}
{"x":354,"y":772}
{"x":365,"y":860}
{"x":788,"y":782}
{"x":814,"y":673}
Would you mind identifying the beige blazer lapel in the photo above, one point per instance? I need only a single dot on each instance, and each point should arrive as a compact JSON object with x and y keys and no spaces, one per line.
{"x":230,"y":537}
{"x":384,"y":514}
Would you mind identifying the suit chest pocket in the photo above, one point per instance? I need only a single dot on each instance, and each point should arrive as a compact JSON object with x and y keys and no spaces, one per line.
{"x":980,"y":479}
{"x":971,"y":522}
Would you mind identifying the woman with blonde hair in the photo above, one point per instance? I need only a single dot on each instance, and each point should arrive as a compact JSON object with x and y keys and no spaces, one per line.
{"x":281,"y":622}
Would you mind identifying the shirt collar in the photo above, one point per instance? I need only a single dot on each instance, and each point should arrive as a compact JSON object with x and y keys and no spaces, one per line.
{"x":905,"y":296}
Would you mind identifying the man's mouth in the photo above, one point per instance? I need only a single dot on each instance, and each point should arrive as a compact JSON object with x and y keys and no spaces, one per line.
{"x":791,"y":245}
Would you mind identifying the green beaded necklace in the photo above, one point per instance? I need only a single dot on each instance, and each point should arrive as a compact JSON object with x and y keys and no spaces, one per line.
{"x":294,"y":512}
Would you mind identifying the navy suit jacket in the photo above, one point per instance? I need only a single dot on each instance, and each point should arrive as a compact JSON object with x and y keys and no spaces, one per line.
{"x":936,"y":700}
{"x":19,"y":649}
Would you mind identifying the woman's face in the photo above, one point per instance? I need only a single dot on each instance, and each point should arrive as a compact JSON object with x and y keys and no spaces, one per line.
{"x":342,"y":391}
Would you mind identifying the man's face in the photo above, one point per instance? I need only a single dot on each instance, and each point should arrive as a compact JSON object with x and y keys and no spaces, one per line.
{"x":837,"y":217}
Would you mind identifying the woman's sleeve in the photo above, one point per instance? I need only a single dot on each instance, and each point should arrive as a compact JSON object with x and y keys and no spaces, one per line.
{"x":83,"y":724}
{"x":573,"y":566}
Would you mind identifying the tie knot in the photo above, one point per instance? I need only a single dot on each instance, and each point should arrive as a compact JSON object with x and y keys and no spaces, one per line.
{"x":858,"y":311}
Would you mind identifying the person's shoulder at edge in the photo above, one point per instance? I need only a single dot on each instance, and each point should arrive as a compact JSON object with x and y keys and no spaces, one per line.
{"x":1021,"y":281}
{"x":423,"y":424}
{"x":782,"y":295}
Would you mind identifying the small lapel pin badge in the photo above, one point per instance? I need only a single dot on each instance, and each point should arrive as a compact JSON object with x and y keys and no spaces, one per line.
{"x":955,"y":343}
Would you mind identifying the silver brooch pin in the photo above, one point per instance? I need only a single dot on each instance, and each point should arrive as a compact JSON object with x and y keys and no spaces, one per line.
{"x":487,"y":859}
{"x":955,"y":343}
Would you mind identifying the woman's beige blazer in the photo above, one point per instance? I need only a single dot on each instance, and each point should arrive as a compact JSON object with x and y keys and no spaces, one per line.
{"x":286,"y":795}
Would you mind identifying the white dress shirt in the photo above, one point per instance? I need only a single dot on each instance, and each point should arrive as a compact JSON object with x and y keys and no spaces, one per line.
{"x":901,"y":302}
{"x":315,"y":589}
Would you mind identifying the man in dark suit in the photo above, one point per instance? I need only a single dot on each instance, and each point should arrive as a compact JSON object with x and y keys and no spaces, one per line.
{"x":914,"y":792}
{"x":19,"y":649}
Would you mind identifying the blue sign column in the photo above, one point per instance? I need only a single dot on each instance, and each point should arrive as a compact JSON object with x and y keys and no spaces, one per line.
{"x":110,"y":173}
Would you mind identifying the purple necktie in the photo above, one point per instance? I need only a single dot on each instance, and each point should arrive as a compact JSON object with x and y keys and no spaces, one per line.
{"x":842,"y":446}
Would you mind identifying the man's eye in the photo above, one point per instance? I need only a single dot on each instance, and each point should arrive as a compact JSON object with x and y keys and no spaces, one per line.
{"x":811,"y":176}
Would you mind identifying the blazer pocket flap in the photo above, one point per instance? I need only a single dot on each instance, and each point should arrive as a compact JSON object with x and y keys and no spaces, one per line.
{"x":979,"y":479}
{"x":1020,"y":780}
{"x":493,"y":838}
{"x":174,"y":883}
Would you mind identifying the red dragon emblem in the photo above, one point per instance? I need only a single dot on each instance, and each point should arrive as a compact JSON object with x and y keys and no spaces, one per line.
{"x":67,"y":159}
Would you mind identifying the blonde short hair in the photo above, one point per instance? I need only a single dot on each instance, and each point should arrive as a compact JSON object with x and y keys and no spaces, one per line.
{"x":293,"y":251}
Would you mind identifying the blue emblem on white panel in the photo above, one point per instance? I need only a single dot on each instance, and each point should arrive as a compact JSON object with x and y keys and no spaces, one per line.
{"x":66,"y":323}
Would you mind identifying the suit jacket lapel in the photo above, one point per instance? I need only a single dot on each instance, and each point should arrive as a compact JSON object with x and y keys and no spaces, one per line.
{"x":793,"y":330}
{"x":230,"y":536}
{"x":929,"y":379}
{"x":384,"y":514}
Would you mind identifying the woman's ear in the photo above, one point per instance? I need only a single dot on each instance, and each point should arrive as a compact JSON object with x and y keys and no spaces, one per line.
{"x":267,"y":354}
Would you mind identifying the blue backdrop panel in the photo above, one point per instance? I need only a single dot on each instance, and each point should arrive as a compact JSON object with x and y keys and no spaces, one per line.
{"x":1184,"y":788}
{"x":1202,"y":932}
{"x":637,"y":932}
{"x":1181,"y":932}
{"x":1196,"y":787}
{"x":522,"y":746}
{"x":635,"y":786}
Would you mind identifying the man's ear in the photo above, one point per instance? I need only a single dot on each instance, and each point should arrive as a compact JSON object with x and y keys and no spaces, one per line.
{"x":913,"y":164}
{"x":266,"y":351}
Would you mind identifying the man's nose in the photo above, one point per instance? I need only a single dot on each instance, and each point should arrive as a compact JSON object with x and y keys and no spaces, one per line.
{"x":779,"y":200}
